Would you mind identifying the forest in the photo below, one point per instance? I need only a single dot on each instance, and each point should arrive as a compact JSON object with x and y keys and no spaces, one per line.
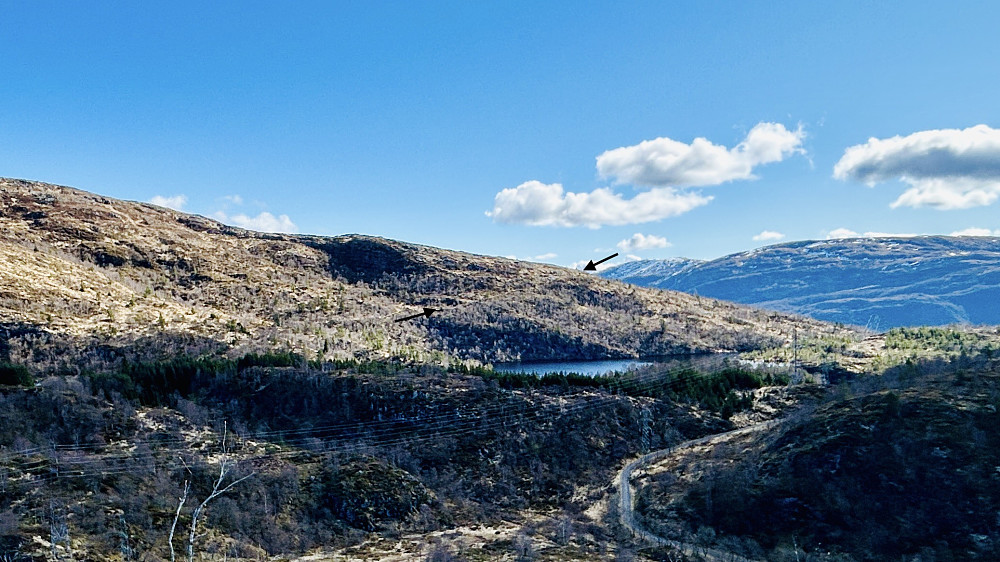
{"x":95,"y":462}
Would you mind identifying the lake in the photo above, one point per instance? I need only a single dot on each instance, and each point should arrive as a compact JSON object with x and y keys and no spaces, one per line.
{"x":706,"y":362}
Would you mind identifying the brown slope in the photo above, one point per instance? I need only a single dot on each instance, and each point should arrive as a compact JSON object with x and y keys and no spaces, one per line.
{"x":95,"y":272}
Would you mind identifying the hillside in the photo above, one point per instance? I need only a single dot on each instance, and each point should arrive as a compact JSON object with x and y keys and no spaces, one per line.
{"x":94,"y":278}
{"x":876,"y":282}
{"x":332,"y":459}
{"x":899,"y":468}
{"x":135,"y":337}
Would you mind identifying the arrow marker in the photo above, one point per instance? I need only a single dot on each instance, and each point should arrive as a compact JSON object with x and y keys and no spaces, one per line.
{"x":427,"y":312}
{"x":592,"y":265}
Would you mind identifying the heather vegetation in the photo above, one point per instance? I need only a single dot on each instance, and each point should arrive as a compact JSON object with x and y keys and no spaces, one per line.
{"x":331,"y":451}
{"x":131,"y":281}
{"x":896,"y":467}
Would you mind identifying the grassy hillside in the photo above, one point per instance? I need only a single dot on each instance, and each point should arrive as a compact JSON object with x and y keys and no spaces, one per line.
{"x":83,"y":272}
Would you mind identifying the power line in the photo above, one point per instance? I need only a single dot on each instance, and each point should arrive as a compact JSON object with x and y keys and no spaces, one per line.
{"x":371,"y":434}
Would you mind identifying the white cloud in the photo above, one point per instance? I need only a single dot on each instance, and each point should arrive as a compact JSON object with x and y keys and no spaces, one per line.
{"x":639,"y":242}
{"x":847,"y":233}
{"x":175,"y":202}
{"x":264,"y":222}
{"x":234,"y":199}
{"x":976,"y":232}
{"x":767,"y":235}
{"x":666,"y":166}
{"x":666,"y":162}
{"x":889,"y":234}
{"x":841,"y":233}
{"x":947,"y":194}
{"x":537,"y":204}
{"x":546,"y":257}
{"x":945,"y":168}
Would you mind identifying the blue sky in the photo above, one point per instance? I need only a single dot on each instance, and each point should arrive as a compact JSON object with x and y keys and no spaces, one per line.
{"x":466,"y":125}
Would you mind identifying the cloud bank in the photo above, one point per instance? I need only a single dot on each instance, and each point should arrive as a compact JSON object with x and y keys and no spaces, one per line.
{"x":264,"y":222}
{"x":768,"y":235}
{"x":847,"y":233}
{"x":976,"y":232}
{"x":175,"y":202}
{"x":945,"y":168}
{"x":639,"y":242}
{"x":667,"y":162}
{"x":668,"y":168}
{"x":538,"y":204}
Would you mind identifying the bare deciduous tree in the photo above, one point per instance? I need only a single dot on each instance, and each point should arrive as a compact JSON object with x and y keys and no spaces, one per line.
{"x":225,"y":466}
{"x":173,"y":526}
{"x":524,"y":549}
{"x":564,"y":529}
{"x":125,"y":547}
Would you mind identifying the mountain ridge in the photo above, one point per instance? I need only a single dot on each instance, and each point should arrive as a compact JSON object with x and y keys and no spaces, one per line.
{"x":874,"y":282}
{"x":88,"y":271}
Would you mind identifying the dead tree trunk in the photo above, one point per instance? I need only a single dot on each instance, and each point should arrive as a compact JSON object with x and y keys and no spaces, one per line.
{"x":225,"y":465}
{"x":173,"y":527}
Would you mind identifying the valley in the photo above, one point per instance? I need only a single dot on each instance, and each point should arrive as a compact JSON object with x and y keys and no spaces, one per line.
{"x":151,"y":358}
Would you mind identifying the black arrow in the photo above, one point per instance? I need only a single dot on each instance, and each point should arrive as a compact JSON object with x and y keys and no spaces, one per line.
{"x":427,"y":312}
{"x":592,"y":265}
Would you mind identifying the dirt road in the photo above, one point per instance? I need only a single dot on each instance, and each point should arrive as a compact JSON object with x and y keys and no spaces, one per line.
{"x":626,"y":503}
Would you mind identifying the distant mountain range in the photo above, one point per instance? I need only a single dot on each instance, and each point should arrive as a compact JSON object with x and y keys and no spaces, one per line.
{"x":876,"y":282}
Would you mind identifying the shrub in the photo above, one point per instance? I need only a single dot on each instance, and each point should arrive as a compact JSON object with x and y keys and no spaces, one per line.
{"x":15,"y":375}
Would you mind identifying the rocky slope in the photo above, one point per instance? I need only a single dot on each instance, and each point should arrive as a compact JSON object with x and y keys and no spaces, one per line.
{"x":83,"y":272}
{"x":872,"y":473}
{"x":878,"y":282}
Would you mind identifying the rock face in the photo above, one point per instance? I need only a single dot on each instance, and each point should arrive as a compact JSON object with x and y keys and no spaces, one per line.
{"x":119,"y":278}
{"x":878,"y":282}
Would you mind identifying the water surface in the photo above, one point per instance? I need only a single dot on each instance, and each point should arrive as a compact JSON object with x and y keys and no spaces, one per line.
{"x":606,"y":366}
{"x":588,"y":368}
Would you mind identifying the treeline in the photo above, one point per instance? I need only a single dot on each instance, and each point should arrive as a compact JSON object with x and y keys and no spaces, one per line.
{"x":724,"y":391}
{"x":945,"y":340}
{"x":160,"y":383}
